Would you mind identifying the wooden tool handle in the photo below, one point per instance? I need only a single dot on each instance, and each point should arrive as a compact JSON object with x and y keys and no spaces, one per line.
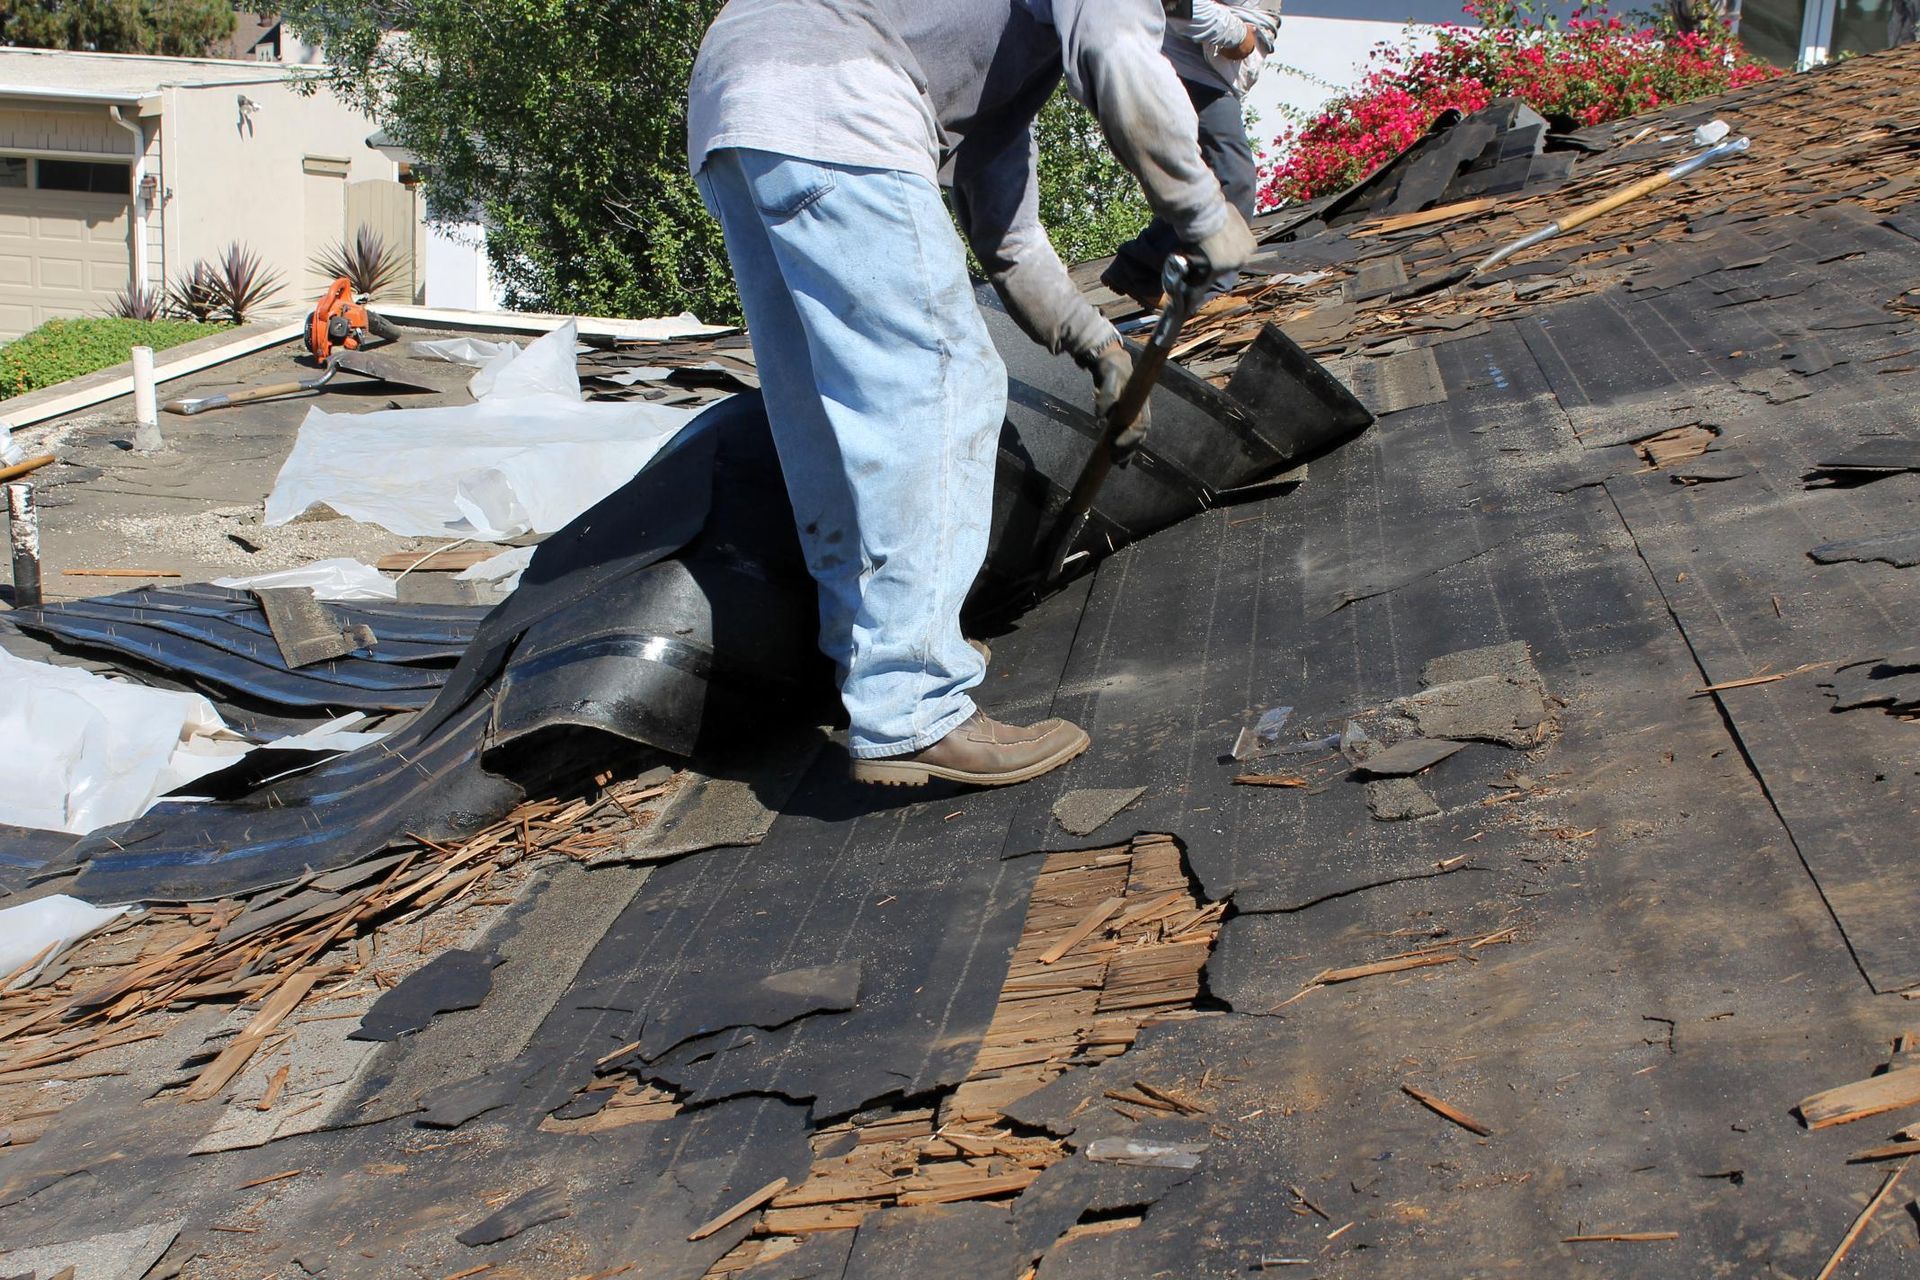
{"x":1626,"y":196}
{"x":19,"y":469}
{"x":248,"y":396}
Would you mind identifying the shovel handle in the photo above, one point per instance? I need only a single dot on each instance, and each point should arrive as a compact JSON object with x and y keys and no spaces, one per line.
{"x":1627,"y":195}
{"x":1647,"y":186}
{"x":251,"y":394}
{"x":28,"y":467}
{"x":248,"y":396}
{"x":1184,"y":278}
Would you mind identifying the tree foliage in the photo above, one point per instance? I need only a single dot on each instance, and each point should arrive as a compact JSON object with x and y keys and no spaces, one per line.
{"x":175,"y":28}
{"x":561,"y":125}
{"x":1088,"y":200}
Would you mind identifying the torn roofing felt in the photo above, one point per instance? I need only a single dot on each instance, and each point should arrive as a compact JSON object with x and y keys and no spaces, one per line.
{"x":678,"y":610}
{"x":219,"y":640}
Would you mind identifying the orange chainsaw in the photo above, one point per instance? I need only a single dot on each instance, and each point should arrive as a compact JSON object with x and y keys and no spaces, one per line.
{"x":342,"y":319}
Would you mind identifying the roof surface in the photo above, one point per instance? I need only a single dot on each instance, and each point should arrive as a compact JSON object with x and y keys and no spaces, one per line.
{"x":119,"y":76}
{"x":1635,"y":526}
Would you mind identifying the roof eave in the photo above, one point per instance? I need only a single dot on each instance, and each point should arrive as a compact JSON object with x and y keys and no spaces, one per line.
{"x":105,"y":97}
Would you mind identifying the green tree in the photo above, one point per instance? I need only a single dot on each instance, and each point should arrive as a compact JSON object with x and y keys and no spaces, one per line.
{"x":561,"y":125}
{"x":1088,"y":200}
{"x":176,"y":28}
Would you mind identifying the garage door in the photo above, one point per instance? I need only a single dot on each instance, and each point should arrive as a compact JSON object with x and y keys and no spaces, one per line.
{"x":61,"y":254}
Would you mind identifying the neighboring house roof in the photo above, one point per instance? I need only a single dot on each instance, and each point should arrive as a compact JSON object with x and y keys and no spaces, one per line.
{"x":250,"y":31}
{"x":113,"y":77}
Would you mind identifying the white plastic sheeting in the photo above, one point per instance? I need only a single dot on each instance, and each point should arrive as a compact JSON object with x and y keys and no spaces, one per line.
{"x":503,"y":570}
{"x":50,"y":922}
{"x":471,"y":351}
{"x":527,"y":456}
{"x":335,"y":735}
{"x":82,"y":751}
{"x":339,"y":579}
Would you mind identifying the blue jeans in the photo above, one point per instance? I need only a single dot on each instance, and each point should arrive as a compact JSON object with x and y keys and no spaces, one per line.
{"x":886,"y":397}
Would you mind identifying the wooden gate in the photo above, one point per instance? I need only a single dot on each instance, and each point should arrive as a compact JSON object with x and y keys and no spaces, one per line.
{"x":389,"y":210}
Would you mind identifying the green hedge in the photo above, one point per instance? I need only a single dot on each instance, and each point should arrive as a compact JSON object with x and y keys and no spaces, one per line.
{"x":62,"y":349}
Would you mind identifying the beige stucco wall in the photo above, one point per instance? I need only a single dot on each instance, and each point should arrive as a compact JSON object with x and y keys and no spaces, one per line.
{"x":278,"y":184}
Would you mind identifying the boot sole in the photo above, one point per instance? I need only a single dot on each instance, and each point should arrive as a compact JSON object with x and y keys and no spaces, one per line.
{"x":907,"y":773}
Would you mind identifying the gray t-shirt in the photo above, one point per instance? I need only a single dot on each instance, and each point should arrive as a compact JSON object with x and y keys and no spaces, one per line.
{"x":948,"y":89}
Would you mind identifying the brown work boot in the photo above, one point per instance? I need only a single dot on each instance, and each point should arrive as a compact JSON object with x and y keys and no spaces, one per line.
{"x":981,"y":753}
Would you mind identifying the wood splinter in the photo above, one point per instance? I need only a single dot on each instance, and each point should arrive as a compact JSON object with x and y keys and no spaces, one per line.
{"x":1622,"y":1237}
{"x":1446,"y":1111}
{"x":1860,"y":1223}
{"x":721,"y":1221}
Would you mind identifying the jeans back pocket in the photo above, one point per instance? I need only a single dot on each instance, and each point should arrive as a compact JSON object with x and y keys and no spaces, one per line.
{"x":783,"y":186}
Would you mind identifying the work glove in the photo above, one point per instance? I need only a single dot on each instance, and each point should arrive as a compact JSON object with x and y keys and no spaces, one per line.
{"x":1227,"y":250}
{"x":1111,"y":366}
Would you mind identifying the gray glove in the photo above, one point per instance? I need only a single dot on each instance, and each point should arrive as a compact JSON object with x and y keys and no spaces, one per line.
{"x":1111,"y":366}
{"x":1227,"y":249}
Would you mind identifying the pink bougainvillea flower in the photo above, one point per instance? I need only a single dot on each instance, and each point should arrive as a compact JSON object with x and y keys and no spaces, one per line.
{"x":1591,"y":68}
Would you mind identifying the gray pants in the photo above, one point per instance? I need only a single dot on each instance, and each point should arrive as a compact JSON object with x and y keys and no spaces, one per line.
{"x":1224,"y":146}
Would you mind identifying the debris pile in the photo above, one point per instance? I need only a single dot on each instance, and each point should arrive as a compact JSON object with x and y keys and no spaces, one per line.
{"x":1114,"y":941}
{"x":324,"y":938}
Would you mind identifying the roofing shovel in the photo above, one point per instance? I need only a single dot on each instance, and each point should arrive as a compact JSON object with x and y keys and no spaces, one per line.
{"x":1184,"y":279}
{"x":378,"y":368}
{"x":1567,"y":222}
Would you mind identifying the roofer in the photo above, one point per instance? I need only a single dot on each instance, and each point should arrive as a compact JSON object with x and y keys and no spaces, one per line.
{"x":1218,"y":53}
{"x":819,"y":132}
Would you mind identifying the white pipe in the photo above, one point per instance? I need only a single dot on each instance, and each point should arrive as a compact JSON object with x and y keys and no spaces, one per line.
{"x":146,"y":416}
{"x":138,"y":200}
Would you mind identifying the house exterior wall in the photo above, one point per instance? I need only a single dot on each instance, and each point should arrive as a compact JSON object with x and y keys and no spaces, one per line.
{"x":79,"y":130}
{"x":62,"y":253}
{"x":274,"y":179}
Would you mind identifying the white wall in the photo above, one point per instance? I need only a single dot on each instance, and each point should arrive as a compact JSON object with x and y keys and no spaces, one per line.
{"x":457,"y":274}
{"x":275,"y":180}
{"x":1317,"y":58}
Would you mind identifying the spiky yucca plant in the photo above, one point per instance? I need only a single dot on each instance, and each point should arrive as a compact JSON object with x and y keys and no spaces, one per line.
{"x":244,"y":282}
{"x":194,"y":293}
{"x":137,"y":302}
{"x":367,"y":260}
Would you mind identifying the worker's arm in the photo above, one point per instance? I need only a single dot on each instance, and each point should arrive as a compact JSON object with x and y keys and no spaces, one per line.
{"x":1215,"y":25}
{"x":996,"y":197}
{"x":1110,"y":51}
